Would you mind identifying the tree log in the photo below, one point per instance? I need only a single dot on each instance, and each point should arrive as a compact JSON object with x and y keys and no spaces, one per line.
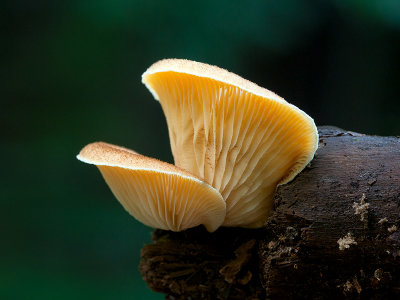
{"x":333,"y":234}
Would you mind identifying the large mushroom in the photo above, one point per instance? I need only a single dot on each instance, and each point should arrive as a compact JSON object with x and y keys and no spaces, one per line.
{"x":240,"y":138}
{"x":156,"y":193}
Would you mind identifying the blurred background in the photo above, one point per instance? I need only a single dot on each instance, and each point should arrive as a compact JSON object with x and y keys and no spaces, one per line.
{"x":70,"y":74}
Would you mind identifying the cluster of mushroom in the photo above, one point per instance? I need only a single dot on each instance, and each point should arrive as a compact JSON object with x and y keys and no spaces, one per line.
{"x":233,"y":143}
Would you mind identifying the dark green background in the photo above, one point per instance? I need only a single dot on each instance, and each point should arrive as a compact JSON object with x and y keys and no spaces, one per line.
{"x":70,"y":74}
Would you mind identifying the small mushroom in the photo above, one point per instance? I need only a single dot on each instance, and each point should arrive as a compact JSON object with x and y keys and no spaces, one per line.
{"x":242,"y":139}
{"x":156,"y":193}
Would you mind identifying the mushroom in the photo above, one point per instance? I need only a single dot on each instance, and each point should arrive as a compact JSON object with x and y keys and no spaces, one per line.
{"x":156,"y":193}
{"x":242,"y":139}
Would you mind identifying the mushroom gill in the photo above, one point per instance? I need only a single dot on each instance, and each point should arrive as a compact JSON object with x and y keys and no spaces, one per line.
{"x":156,"y":193}
{"x":240,"y":138}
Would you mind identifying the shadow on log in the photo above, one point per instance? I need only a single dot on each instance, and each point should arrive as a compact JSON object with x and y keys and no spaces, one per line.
{"x":333,"y":234}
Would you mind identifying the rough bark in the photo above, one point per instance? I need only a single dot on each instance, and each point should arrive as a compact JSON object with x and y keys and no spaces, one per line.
{"x":333,"y":234}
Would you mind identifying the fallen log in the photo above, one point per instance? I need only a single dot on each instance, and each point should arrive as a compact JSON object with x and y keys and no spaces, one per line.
{"x":334,"y":233}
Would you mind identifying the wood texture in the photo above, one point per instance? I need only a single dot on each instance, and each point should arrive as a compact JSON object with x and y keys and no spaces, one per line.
{"x":349,"y":194}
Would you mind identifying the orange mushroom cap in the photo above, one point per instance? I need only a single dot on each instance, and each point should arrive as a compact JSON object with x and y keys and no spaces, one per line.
{"x":242,"y":139}
{"x":156,"y":193}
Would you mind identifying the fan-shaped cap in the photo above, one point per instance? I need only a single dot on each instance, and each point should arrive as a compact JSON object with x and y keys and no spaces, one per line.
{"x":156,"y":193}
{"x":244,"y":140}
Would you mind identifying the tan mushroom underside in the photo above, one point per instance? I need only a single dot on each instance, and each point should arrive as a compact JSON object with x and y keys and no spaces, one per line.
{"x":157,"y":194}
{"x":240,"y":138}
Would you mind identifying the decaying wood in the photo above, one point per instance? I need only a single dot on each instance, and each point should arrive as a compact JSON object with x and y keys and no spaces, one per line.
{"x":335,"y":233}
